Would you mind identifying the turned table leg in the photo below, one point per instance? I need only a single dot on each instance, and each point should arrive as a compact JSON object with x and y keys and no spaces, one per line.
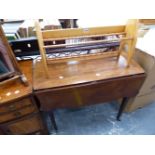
{"x":122,"y":107}
{"x":52,"y":118}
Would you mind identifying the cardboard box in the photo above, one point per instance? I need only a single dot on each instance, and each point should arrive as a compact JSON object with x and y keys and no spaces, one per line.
{"x":140,"y":102}
{"x":147,"y":62}
{"x":145,"y":56}
{"x":147,"y":92}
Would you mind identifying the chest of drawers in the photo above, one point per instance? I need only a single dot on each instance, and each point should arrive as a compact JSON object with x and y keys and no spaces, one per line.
{"x":19,"y":113}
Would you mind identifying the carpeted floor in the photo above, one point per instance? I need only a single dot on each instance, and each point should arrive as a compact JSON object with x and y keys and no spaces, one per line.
{"x":101,"y":120}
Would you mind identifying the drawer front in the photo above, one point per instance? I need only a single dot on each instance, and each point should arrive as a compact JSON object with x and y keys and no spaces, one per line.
{"x":25,"y":126}
{"x":17,"y":114}
{"x":95,"y":92}
{"x":15,"y":105}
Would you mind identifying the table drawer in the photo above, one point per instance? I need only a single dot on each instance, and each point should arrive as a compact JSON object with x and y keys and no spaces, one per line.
{"x":15,"y":105}
{"x":17,"y":114}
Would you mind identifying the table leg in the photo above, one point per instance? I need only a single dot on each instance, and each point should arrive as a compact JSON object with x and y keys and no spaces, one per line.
{"x":52,"y":117}
{"x":44,"y":118}
{"x":122,"y":107}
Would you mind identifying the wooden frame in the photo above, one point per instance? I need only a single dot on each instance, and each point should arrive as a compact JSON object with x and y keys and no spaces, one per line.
{"x":16,"y":73}
{"x":128,"y":41}
{"x":147,"y":21}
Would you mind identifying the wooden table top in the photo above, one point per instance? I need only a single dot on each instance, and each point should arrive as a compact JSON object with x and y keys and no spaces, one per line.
{"x":71,"y":72}
{"x":16,"y":89}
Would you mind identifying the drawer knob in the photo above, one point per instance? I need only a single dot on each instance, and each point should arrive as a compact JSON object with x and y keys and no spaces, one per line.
{"x":17,"y":114}
{"x":12,"y":107}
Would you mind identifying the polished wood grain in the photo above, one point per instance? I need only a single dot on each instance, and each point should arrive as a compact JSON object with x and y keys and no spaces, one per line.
{"x":16,"y":105}
{"x":83,"y":82}
{"x":16,"y":90}
{"x":18,"y":113}
{"x":27,"y":125}
{"x":89,"y":93}
{"x":79,"y":71}
{"x":10,"y":80}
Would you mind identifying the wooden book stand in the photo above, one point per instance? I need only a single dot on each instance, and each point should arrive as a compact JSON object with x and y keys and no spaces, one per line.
{"x":126,"y":36}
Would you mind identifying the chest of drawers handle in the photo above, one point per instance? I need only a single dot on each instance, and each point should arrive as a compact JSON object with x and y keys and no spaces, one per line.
{"x":17,"y":114}
{"x":12,"y":107}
